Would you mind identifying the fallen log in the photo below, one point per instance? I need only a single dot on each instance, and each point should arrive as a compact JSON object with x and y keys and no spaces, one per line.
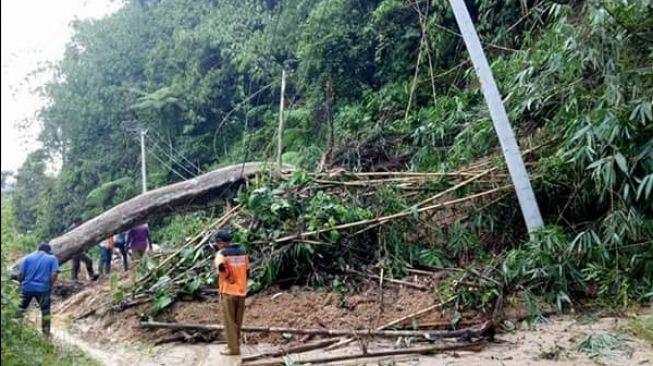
{"x":473,"y":346}
{"x":195,"y":193}
{"x":476,"y":331}
{"x":292,"y":350}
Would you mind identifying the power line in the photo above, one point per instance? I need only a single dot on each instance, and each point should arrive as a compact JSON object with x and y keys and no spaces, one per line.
{"x":168,"y":154}
{"x":175,"y":151}
{"x":164,"y":163}
{"x":167,"y":165}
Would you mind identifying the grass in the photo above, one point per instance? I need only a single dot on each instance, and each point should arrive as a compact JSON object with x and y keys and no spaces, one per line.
{"x":603,"y":345}
{"x":24,"y":346}
{"x":640,"y":327}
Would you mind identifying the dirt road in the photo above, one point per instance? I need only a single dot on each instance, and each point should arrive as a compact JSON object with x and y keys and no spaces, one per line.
{"x":553,"y":343}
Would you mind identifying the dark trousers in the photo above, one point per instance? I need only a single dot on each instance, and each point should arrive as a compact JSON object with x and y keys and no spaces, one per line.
{"x":105,"y":260}
{"x":82,"y":257}
{"x":43,"y":298}
{"x":233,"y":308}
{"x":123,"y":252}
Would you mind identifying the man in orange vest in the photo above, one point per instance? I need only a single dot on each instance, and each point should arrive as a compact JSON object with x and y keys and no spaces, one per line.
{"x":232,"y":266}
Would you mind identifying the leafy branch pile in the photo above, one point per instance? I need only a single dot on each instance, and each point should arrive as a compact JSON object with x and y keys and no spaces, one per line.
{"x":307,"y":227}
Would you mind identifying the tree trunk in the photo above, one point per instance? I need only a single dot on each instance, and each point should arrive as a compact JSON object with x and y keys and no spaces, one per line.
{"x":199,"y":192}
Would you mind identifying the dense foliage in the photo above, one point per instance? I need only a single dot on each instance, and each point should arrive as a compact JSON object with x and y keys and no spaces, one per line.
{"x":22,"y":345}
{"x":391,"y":82}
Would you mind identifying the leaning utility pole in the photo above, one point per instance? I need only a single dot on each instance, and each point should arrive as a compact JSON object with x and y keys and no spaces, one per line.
{"x":516,"y":167}
{"x":283,"y":90}
{"x":143,"y":170}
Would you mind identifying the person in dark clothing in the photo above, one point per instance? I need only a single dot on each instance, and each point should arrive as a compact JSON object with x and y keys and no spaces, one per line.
{"x":81,"y":257}
{"x":120,"y":241}
{"x":38,"y":273}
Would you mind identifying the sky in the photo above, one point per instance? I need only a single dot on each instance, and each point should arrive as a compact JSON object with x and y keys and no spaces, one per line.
{"x":34,"y":33}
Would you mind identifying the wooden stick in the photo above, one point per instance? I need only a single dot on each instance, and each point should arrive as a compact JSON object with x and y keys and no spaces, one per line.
{"x":399,"y":282}
{"x":393,"y":323}
{"x":381,"y":290}
{"x":474,"y":346}
{"x":421,"y":272}
{"x":471,"y":331}
{"x":446,"y":323}
{"x":291,"y":350}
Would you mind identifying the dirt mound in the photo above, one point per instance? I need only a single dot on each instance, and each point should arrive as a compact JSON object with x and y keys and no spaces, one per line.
{"x":297,"y":308}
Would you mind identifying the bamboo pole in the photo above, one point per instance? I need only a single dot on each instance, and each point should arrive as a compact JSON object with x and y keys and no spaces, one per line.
{"x":216,"y":224}
{"x":398,"y":282}
{"x":281,"y":119}
{"x":476,"y":331}
{"x":394,"y":322}
{"x":384,"y":219}
{"x":474,"y":346}
{"x":297,"y":349}
{"x":454,"y":188}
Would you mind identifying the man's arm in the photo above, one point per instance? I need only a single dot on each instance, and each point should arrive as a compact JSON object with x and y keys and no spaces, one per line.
{"x":53,"y":279}
{"x":54,"y":272}
{"x":218,"y":264}
{"x":21,"y":271}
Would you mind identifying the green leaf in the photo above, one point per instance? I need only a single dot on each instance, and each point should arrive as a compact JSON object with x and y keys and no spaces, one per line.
{"x":161,"y":302}
{"x":621,"y":162}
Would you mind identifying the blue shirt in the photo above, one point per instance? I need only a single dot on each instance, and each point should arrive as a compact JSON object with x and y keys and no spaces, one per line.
{"x":37,"y":269}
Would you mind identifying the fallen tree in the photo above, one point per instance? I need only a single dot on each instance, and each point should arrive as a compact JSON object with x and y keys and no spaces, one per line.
{"x":199,"y":192}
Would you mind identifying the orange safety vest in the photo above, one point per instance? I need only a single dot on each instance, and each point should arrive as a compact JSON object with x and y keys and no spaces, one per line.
{"x":233,"y":280}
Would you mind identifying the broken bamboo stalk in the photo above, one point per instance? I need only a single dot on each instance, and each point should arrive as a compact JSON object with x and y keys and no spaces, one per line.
{"x":448,"y":324}
{"x":394,"y":322}
{"x":391,"y":280}
{"x":292,"y":350}
{"x":476,"y":331}
{"x":473,"y":346}
{"x":385,"y":219}
{"x":454,"y":188}
{"x":206,"y":232}
{"x":411,"y":174}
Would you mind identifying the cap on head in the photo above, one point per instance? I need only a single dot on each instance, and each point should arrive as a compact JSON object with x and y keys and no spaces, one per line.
{"x":45,"y":247}
{"x":221,"y":235}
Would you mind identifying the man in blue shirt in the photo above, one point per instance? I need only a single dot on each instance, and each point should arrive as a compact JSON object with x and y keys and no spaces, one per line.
{"x":38,"y":273}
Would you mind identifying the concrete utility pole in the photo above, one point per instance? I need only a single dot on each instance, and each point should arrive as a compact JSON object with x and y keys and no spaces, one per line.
{"x":283,"y":90}
{"x":143,"y":169}
{"x":516,"y":167}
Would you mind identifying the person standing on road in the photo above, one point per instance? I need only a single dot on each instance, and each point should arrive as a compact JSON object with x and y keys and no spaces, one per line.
{"x":120,"y":241}
{"x":38,"y":274}
{"x":106,"y":252}
{"x":81,"y":257}
{"x":138,"y":240}
{"x":232,"y":266}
